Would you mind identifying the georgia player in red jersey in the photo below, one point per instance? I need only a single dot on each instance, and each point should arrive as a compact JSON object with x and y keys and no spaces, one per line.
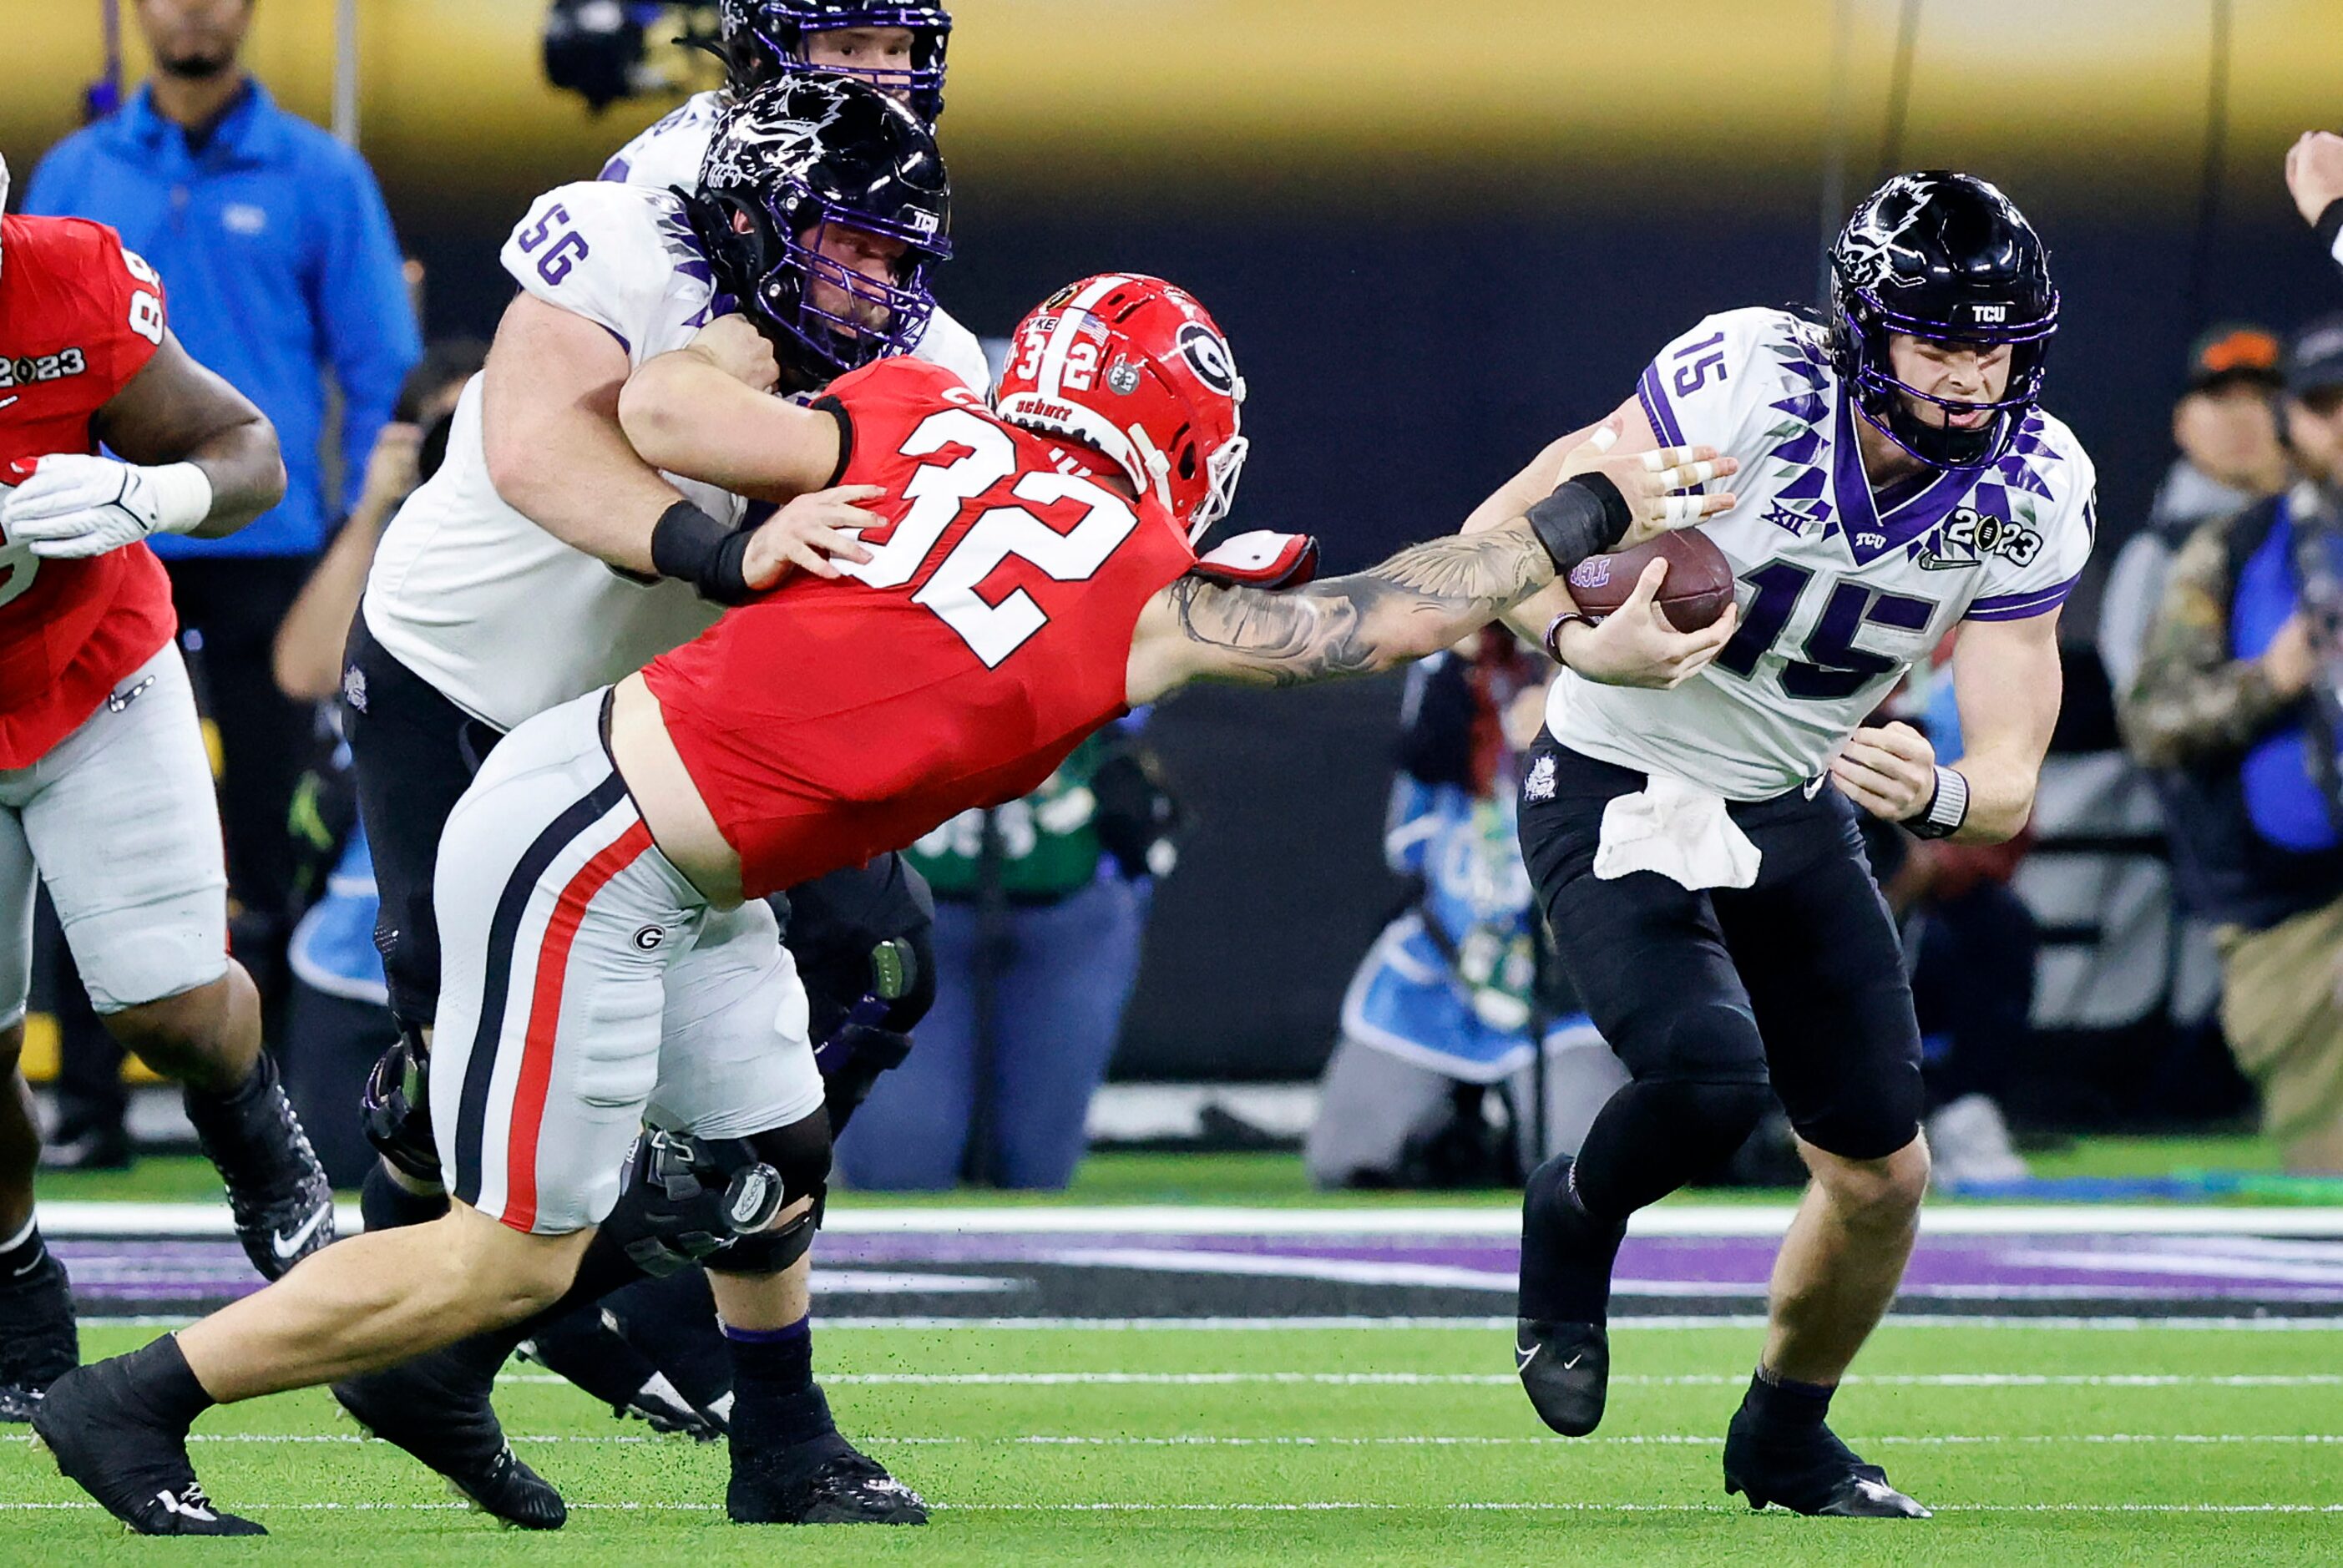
{"x":1035,"y":573}
{"x":106,"y":791}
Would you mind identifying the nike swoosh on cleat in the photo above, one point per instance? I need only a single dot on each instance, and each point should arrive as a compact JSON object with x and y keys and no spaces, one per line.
{"x":1522,"y":1358}
{"x":1573,"y":1360}
{"x":20,"y":1273}
{"x":286,"y":1245}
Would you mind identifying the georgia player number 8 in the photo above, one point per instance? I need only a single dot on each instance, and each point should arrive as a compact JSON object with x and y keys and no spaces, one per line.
{"x":938,"y":492}
{"x":146,"y":307}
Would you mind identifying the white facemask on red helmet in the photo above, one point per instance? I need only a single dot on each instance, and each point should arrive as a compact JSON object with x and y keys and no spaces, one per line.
{"x":1136,"y":369}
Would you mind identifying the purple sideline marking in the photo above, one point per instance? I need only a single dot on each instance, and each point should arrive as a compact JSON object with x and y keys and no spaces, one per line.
{"x":2177,"y":1268}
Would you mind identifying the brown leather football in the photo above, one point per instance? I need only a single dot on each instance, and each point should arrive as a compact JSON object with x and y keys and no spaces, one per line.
{"x":1698,"y":587}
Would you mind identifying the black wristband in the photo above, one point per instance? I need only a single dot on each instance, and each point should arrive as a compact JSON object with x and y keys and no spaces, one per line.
{"x":1584,"y":516}
{"x":690,"y":545}
{"x":2329,"y":226}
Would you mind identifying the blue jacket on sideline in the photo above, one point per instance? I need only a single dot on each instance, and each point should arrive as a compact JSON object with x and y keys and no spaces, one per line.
{"x":278,"y":261}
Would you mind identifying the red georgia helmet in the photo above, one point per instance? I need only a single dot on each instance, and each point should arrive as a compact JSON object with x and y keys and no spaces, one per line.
{"x":1135,"y":368}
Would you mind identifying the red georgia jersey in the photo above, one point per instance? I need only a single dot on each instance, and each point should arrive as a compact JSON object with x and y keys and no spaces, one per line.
{"x":836,"y":718}
{"x":79,"y":317}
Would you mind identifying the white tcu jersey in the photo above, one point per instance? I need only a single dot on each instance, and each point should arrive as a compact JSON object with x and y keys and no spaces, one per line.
{"x":1838,"y":595}
{"x":668,"y":152}
{"x":501,"y":616}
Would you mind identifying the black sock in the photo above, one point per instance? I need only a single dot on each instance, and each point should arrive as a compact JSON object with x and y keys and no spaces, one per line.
{"x":255,"y":1083}
{"x":1784,"y":1404}
{"x":1566,"y":1276}
{"x":165,"y":1385}
{"x":22,"y":1255}
{"x":386,"y":1204}
{"x":775,"y":1401}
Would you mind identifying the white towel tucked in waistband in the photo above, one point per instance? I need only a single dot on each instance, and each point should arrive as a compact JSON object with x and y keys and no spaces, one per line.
{"x":1678,"y":830}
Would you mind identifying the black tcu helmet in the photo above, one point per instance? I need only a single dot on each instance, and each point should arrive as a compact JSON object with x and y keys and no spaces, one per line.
{"x":766,"y":39}
{"x":796,"y":159}
{"x":1948,"y":257}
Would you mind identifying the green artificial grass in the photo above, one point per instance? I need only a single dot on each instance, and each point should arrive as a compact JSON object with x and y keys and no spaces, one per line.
{"x":1161,"y":1446}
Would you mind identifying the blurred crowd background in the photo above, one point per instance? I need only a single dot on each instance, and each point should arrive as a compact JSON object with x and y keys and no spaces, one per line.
{"x":1437,"y":237}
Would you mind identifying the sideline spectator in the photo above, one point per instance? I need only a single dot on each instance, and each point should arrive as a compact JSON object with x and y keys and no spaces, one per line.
{"x":337,"y":1019}
{"x":1443,"y":1007}
{"x":2236,"y":697}
{"x":1036,"y":950}
{"x":282,"y":266}
{"x":2226,"y":426}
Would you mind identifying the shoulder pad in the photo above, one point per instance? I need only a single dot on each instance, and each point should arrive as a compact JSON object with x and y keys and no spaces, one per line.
{"x":1260,"y":559}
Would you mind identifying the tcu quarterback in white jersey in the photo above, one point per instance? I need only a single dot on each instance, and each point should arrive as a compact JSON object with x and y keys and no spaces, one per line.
{"x":897,"y":49}
{"x":1690,"y":816}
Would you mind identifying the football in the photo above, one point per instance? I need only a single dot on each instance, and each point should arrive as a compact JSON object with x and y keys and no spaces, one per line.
{"x":1698,"y":587}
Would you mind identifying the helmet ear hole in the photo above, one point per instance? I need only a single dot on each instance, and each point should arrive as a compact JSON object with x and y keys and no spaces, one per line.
{"x":1187,"y":461}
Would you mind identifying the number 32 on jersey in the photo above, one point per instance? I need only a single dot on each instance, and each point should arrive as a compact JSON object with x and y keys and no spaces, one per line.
{"x":937,"y":494}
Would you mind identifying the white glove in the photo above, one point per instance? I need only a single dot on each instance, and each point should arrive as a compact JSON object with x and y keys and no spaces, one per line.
{"x":76,"y":505}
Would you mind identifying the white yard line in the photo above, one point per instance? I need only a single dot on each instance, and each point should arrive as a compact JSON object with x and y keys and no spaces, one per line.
{"x":1505,"y":1380}
{"x":85,"y":1218}
{"x":1649,"y":1439}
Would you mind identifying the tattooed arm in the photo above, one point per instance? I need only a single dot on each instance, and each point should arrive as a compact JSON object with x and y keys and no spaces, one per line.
{"x":1414,"y":605}
{"x":1423,"y":600}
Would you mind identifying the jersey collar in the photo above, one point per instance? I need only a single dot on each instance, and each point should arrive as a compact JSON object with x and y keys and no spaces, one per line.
{"x":1870,"y":535}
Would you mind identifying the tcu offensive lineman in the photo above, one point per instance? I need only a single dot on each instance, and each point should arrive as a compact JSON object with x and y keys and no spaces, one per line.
{"x":1708,"y":894}
{"x":898,"y":48}
{"x":105,"y":793}
{"x":1032,"y":574}
{"x":652,"y":1350}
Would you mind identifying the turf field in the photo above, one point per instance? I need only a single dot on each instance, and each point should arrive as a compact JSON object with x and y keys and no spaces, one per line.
{"x":1352,"y":1446}
{"x":1193,"y":1360}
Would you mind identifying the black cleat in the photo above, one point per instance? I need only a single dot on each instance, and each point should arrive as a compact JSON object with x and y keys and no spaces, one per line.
{"x":587,"y":1347}
{"x":38,"y":1343}
{"x":823,"y":1479}
{"x":1566,"y":1369}
{"x":276,"y":1190}
{"x":106,"y":1439}
{"x":1560,"y":1348}
{"x":1808,"y":1471}
{"x":437,"y":1410}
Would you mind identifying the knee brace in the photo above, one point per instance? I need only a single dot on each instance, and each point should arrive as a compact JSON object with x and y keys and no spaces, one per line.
{"x":397,"y":1107}
{"x":798,"y":1155}
{"x":683,"y":1199}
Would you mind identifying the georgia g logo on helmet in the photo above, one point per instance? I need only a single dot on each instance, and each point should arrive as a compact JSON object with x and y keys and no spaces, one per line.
{"x":1209,"y":358}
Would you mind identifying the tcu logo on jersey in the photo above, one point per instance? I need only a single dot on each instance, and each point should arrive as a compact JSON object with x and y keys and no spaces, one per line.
{"x":1991,"y":536}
